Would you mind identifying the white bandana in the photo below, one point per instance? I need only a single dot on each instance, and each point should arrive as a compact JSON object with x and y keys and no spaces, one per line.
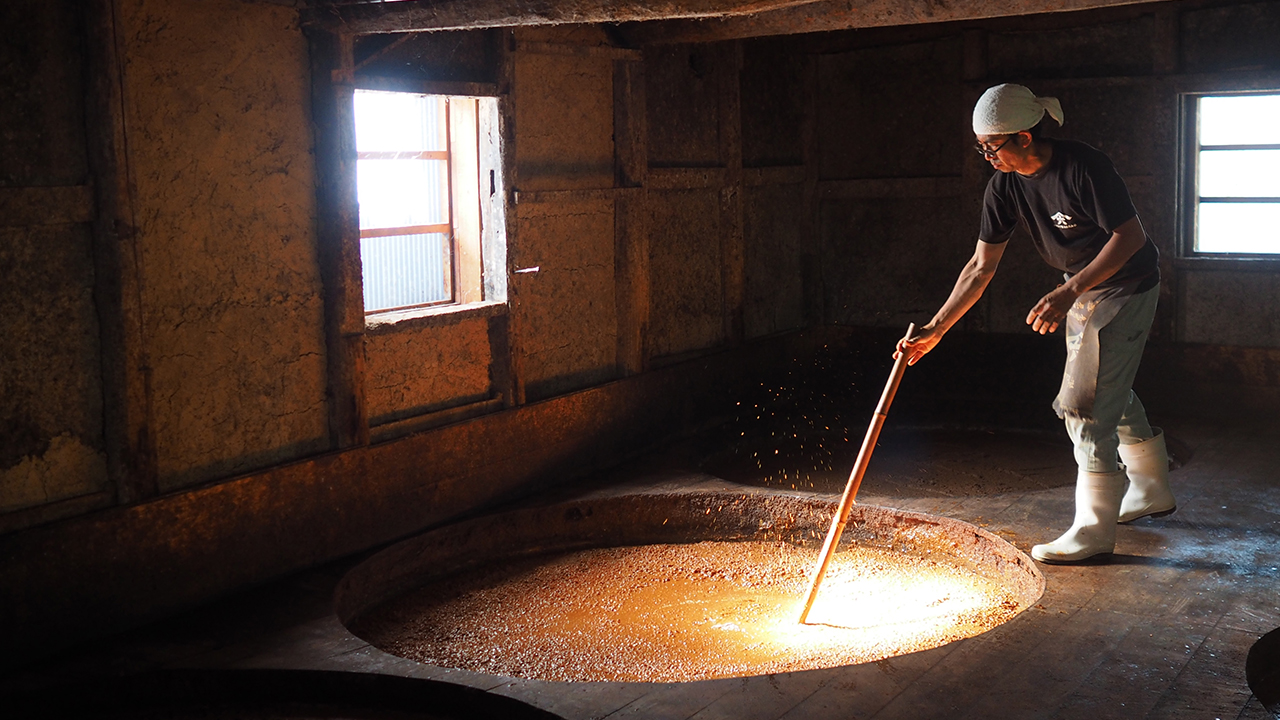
{"x":1010,"y":108}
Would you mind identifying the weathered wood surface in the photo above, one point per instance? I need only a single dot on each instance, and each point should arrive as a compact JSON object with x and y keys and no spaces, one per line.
{"x":632,"y":249}
{"x":126,"y":372}
{"x":828,"y":15}
{"x":338,"y":230}
{"x":732,"y":243}
{"x":25,"y":206}
{"x":508,"y":372}
{"x":466,"y":14}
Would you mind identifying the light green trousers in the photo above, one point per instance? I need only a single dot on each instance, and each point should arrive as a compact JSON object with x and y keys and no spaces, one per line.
{"x":1106,"y":333}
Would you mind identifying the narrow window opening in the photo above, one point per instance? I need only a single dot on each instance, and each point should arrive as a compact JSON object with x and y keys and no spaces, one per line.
{"x":422,"y":225}
{"x":1235,"y":175}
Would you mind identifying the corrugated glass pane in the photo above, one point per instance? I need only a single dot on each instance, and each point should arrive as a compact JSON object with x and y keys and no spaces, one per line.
{"x":1238,"y":228}
{"x":1239,"y":173}
{"x":1240,"y":120}
{"x":402,"y":193}
{"x":404,"y":270}
{"x":399,"y":122}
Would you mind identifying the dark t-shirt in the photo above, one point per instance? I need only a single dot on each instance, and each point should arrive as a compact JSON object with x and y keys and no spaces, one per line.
{"x":1070,"y":208}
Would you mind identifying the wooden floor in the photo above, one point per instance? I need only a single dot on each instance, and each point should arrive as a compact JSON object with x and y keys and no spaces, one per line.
{"x":1159,"y":630}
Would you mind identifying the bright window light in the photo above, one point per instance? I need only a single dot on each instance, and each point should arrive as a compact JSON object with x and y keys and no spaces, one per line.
{"x":399,"y":122}
{"x":1237,"y":174}
{"x":417,"y":184}
{"x":1240,"y":173}
{"x":1239,"y":120}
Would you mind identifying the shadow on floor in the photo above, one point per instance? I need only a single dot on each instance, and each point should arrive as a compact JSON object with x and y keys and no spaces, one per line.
{"x":908,"y":462}
{"x":270,"y":694}
{"x":1262,"y":670}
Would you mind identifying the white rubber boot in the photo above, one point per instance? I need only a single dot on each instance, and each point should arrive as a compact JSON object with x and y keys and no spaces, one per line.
{"x":1094,"y":529}
{"x":1147,"y":465}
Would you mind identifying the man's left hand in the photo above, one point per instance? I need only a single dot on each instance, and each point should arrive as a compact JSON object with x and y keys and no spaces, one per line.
{"x":1052,"y":310}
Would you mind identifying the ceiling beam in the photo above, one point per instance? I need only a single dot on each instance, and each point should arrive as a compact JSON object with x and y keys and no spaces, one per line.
{"x":826,"y":15}
{"x":420,"y":15}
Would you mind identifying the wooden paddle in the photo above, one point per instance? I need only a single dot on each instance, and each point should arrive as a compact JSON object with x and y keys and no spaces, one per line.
{"x":855,"y":478}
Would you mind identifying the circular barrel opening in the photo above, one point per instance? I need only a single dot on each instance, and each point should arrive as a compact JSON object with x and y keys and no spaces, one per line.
{"x":675,"y":587}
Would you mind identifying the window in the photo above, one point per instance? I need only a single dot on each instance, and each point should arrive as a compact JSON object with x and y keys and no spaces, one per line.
{"x":418,"y":170}
{"x":1233,"y":177}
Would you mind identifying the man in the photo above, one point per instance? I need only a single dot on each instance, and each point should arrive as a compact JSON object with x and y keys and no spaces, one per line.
{"x":1079,"y":215}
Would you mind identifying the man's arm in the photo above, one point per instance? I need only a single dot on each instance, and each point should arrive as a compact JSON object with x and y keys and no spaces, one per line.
{"x":1052,"y":308}
{"x":973,"y":280}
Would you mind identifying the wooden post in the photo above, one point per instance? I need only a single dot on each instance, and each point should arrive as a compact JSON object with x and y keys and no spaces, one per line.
{"x":126,"y":372}
{"x":1166,"y":58}
{"x":496,"y":228}
{"x":631,"y":237}
{"x":507,"y":122}
{"x":338,"y":235}
{"x":811,"y":240}
{"x":732,"y":244}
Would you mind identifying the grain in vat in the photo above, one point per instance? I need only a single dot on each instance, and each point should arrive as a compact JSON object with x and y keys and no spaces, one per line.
{"x":687,"y":585}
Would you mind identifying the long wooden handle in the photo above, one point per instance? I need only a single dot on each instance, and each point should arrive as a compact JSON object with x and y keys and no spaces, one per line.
{"x":855,"y":478}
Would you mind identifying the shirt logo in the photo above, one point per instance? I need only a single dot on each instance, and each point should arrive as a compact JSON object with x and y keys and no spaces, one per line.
{"x":1064,"y":222}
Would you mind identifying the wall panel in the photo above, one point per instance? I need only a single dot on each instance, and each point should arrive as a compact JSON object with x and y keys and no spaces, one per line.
{"x":41,"y":58}
{"x":775,"y":251}
{"x":891,"y":111}
{"x":1231,"y":308}
{"x":219,"y":141}
{"x":51,"y":441}
{"x":683,"y":89}
{"x":1069,"y":49}
{"x":1231,"y":37}
{"x":412,"y":370}
{"x":52,"y":444}
{"x":564,"y":121}
{"x":889,"y":261}
{"x":686,"y":289}
{"x":774,"y":105}
{"x":566,"y":311}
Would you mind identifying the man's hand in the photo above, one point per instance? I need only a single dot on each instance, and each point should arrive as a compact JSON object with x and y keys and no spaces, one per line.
{"x":917,"y":346}
{"x":973,"y":280}
{"x":1052,"y":310}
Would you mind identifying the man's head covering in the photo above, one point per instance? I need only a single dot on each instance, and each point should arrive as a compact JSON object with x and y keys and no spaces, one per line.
{"x":1009,"y":108}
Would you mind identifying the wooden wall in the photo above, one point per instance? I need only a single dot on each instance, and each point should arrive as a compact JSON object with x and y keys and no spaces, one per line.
{"x":626,"y":187}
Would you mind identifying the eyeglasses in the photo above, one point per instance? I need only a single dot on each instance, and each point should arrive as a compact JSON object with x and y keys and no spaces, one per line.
{"x":988,"y":154}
